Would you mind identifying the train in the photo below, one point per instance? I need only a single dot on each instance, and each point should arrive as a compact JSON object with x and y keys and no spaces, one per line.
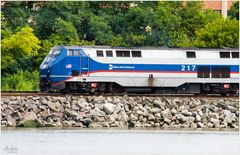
{"x":156,"y":70}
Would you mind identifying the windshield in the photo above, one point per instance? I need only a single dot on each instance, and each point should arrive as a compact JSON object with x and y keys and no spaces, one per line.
{"x":52,"y":55}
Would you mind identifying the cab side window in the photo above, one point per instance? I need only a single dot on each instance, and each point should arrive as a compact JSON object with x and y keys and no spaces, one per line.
{"x":73,"y":53}
{"x":70,"y":52}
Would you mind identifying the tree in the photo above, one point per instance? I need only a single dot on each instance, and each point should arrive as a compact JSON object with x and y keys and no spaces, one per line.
{"x":5,"y":29}
{"x":99,"y":30}
{"x":193,"y":17}
{"x":22,"y":44}
{"x":73,"y":12}
{"x":44,"y":22}
{"x":64,"y":31}
{"x":137,"y":18}
{"x":16,"y":14}
{"x":220,"y":33}
{"x":164,"y":23}
{"x":234,"y":11}
{"x":118,"y":40}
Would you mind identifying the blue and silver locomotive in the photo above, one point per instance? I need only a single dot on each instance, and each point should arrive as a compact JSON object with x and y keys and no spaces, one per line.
{"x":140,"y":70}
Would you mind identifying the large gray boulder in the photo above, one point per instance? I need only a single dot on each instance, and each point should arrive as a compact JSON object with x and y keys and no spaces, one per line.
{"x":155,"y":110}
{"x":29,"y":116}
{"x":108,"y":108}
{"x":151,"y":117}
{"x":166,"y":113}
{"x":229,"y":117}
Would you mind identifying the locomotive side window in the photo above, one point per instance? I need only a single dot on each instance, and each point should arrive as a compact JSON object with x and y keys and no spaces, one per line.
{"x":75,"y":53}
{"x":109,"y":54}
{"x":191,"y":54}
{"x":136,"y":54}
{"x":123,"y":53}
{"x":99,"y":53}
{"x":235,"y":54}
{"x":224,"y":54}
{"x":203,"y":72}
{"x":70,"y":52}
{"x":221,"y":72}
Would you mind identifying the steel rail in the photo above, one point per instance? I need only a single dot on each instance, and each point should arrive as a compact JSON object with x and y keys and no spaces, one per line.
{"x":4,"y":93}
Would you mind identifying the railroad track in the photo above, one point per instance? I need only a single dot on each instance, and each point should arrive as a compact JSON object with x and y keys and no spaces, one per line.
{"x":35,"y":93}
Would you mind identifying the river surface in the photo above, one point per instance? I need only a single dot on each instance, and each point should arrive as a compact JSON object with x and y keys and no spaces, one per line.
{"x":117,"y":142}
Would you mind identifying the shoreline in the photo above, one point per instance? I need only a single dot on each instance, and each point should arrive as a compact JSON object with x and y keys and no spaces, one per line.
{"x":113,"y":129}
{"x":120,"y":112}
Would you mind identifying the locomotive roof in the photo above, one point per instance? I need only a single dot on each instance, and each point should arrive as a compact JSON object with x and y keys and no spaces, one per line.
{"x":144,"y":47}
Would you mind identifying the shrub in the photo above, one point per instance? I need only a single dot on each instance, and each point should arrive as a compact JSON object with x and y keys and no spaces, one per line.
{"x":30,"y":124}
{"x":21,"y":81}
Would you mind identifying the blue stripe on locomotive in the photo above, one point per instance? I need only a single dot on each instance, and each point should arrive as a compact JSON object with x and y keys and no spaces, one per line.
{"x":58,"y":67}
{"x":96,"y":66}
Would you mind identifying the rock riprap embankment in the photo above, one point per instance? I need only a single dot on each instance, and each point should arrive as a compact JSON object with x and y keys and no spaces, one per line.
{"x":99,"y":111}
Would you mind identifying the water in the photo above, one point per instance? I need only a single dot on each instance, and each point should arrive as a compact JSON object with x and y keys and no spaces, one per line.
{"x":118,"y":142}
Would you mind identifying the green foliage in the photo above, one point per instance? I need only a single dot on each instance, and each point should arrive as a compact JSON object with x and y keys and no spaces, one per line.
{"x":193,"y":17}
{"x":64,"y":32}
{"x":118,"y":40}
{"x":30,"y":124}
{"x":22,"y":44}
{"x":30,"y":28}
{"x":99,"y":30}
{"x":137,"y":19}
{"x":234,"y":11}
{"x":136,"y":40}
{"x":164,"y":23}
{"x":21,"y":81}
{"x":73,"y":12}
{"x":220,"y":33}
{"x":21,"y":63}
{"x":5,"y":29}
{"x":16,"y":14}
{"x":45,"y":20}
{"x":85,"y":42}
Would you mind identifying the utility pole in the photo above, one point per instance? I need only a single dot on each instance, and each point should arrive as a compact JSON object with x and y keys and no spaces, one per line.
{"x":224,"y":8}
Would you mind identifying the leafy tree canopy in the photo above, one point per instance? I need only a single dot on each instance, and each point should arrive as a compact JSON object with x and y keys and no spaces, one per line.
{"x":17,"y":14}
{"x":73,"y":12}
{"x":65,"y":32}
{"x":234,"y":11}
{"x":123,"y":23}
{"x":99,"y":30}
{"x":220,"y":33}
{"x":22,"y":44}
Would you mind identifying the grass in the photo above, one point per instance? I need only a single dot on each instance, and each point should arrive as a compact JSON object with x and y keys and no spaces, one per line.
{"x":30,"y":124}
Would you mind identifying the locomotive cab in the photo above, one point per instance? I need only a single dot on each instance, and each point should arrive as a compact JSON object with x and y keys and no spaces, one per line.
{"x":60,"y":64}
